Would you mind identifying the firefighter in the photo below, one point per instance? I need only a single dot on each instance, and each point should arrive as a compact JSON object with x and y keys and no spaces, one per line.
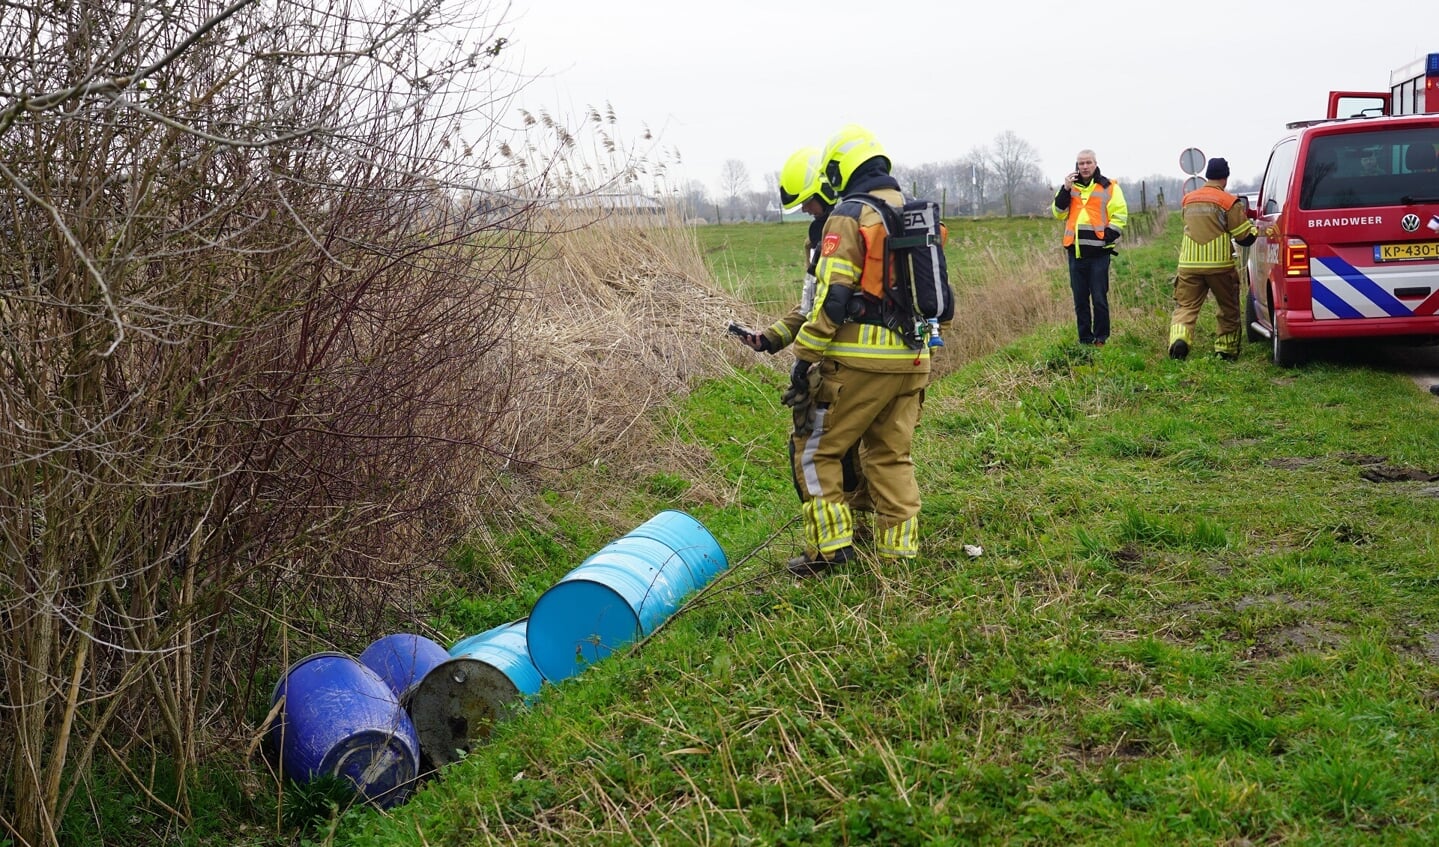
{"x":856,"y":380}
{"x":1094,"y":213}
{"x":1212,"y":218}
{"x":801,"y":185}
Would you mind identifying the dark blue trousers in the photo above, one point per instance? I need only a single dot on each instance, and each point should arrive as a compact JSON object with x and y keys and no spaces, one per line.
{"x":1089,"y":280}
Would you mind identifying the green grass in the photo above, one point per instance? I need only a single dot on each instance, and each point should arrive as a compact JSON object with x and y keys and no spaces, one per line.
{"x":764,"y":263}
{"x":1194,"y":621}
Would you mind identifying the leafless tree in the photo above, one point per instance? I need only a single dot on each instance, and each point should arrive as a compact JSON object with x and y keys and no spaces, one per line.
{"x":256,"y":277}
{"x":944,"y":182}
{"x":734,"y":182}
{"x":1015,"y":164}
{"x":977,"y":177}
{"x":694,"y":199}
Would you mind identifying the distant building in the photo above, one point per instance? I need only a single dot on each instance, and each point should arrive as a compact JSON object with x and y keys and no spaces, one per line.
{"x":615,"y":203}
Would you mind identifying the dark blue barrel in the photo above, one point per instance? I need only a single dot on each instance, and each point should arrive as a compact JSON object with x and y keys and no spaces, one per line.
{"x":340,"y":718}
{"x":621,"y":594}
{"x":402,"y":660}
{"x":486,"y":679}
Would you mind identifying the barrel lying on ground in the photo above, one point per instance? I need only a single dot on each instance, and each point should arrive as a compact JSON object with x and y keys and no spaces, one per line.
{"x":484,"y":680}
{"x":402,"y":660}
{"x":621,"y":593}
{"x":340,"y":718}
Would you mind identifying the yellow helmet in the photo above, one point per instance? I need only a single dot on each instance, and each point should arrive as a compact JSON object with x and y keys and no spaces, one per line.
{"x":847,"y":149}
{"x":800,"y":179}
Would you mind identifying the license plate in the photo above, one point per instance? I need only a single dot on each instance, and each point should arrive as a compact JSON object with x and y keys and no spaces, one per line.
{"x":1408,"y":250}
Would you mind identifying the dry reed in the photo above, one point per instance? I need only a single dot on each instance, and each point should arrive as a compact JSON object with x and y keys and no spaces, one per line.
{"x":623,"y":317}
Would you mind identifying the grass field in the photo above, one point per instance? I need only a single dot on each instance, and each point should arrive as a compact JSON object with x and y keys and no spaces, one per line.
{"x":763,"y":263}
{"x":1159,"y":603}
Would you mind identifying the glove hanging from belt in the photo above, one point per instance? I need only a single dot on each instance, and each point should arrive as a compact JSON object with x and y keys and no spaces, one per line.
{"x":803,"y":385}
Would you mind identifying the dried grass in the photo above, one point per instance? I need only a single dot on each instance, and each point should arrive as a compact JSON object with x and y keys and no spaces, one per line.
{"x":623,"y":319}
{"x":1008,"y":297}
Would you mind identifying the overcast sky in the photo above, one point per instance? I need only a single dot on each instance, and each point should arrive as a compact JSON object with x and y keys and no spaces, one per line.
{"x":1137,"y":80}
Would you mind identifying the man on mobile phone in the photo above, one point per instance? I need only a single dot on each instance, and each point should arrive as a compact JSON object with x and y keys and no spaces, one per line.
{"x":1094,"y":213}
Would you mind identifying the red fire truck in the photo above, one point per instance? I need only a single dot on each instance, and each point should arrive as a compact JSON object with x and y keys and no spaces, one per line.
{"x":1349,"y":211}
{"x":1413,"y":90}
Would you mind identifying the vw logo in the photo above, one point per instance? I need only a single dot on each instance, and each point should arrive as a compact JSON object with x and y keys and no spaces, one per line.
{"x":1410,"y":223}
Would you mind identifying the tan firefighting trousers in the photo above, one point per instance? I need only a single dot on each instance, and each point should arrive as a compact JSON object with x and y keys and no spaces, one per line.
{"x":878,"y":411}
{"x":1190,"y":289}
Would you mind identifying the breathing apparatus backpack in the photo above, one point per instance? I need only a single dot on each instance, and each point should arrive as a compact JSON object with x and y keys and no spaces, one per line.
{"x":915,"y":297}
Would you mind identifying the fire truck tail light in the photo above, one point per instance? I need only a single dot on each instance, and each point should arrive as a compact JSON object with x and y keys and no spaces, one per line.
{"x":1296,"y":257}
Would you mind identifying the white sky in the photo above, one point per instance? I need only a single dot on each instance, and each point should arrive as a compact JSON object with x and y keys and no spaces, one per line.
{"x":1139,"y":82}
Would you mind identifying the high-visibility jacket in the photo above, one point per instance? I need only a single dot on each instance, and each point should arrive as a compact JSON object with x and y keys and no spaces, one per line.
{"x":1212,"y":216}
{"x":782,"y":332}
{"x":851,"y":252}
{"x":1092,"y":209}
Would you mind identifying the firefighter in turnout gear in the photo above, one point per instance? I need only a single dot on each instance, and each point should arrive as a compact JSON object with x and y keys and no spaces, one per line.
{"x":1094,"y":213}
{"x":802,"y":185}
{"x":863,"y":384}
{"x":1212,"y":219}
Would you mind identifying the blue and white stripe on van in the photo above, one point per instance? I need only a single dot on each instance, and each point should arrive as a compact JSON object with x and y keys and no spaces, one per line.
{"x":1339,"y":289}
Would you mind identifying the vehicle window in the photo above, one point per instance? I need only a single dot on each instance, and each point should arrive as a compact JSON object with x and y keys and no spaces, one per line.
{"x":1358,"y":106}
{"x":1406,"y":98}
{"x":1276,"y":180}
{"x":1384,"y":167}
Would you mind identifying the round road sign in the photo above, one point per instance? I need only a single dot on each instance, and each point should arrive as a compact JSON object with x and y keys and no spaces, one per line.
{"x":1193,"y":183}
{"x":1191,"y":161}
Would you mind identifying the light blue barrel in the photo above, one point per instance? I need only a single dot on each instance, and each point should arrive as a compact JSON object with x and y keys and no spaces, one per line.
{"x":621,"y":594}
{"x":340,"y":718}
{"x":687,"y":537}
{"x":485,"y":679}
{"x":402,"y":660}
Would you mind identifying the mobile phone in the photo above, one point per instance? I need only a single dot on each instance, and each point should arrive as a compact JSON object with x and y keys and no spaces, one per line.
{"x":740,"y":330}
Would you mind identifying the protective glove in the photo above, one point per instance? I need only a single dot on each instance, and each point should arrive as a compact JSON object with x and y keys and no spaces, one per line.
{"x":1111,"y":235}
{"x":803,"y":383}
{"x":798,"y":383}
{"x":759,"y":342}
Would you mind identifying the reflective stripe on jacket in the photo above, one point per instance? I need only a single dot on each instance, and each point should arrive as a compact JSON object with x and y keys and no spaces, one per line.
{"x":1092,"y":204}
{"x":1212,"y":216}
{"x":1091,"y":209}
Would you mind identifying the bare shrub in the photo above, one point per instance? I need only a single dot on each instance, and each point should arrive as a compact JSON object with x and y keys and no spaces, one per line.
{"x":256,"y":293}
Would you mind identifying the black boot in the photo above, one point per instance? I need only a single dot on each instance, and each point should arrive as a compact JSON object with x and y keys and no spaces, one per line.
{"x":818,"y":565}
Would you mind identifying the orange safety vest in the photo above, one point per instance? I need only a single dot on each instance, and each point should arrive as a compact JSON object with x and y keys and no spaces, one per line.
{"x":1098,"y":208}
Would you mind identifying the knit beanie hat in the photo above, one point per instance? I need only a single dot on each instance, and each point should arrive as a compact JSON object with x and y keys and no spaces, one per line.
{"x":1218,"y":169}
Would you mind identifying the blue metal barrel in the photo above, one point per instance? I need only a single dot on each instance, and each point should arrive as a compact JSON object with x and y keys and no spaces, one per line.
{"x":687,"y":537}
{"x":621,"y":594}
{"x":402,"y":660}
{"x":340,"y":718}
{"x":485,"y":680}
